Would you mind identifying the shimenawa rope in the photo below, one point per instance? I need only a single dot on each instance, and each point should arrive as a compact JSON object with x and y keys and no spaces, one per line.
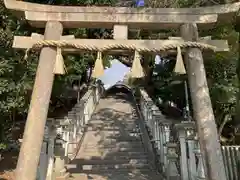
{"x":99,"y":69}
{"x":65,"y":44}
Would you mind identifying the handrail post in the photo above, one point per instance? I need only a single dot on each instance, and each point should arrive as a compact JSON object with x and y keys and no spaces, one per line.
{"x":200,"y":173}
{"x":60,"y":159}
{"x":51,"y":143}
{"x":161,"y":131}
{"x":71,"y":129}
{"x":191,"y":135}
{"x":166,"y":139}
{"x":172,"y":159}
{"x":183,"y":149}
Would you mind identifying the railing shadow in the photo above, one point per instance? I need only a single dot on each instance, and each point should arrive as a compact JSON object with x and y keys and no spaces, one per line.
{"x":116,"y":119}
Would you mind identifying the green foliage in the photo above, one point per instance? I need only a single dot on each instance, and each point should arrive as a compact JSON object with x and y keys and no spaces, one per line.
{"x":75,"y":2}
{"x":3,"y":146}
{"x":222,"y":77}
{"x":17,"y":76}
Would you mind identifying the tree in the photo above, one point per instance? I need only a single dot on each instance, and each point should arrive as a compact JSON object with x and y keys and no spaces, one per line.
{"x":221,"y":71}
{"x":17,"y":75}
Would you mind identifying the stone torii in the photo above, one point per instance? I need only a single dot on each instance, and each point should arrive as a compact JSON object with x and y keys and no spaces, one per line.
{"x":55,"y":18}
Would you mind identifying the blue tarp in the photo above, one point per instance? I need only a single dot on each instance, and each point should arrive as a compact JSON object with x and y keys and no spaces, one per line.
{"x":114,"y":74}
{"x":140,"y":3}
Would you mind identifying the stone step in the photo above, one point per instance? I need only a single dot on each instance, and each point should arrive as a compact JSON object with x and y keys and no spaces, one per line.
{"x":114,"y":145}
{"x":132,"y":154}
{"x":106,"y":120}
{"x":143,"y":174}
{"x":147,"y":175}
{"x":112,"y":124}
{"x":93,"y":137}
{"x":112,"y":150}
{"x":126,"y":138}
{"x":100,"y":167}
{"x":122,"y":131}
{"x":92,"y":127}
{"x":120,"y":156}
{"x":120,"y":138}
{"x":102,"y":127}
{"x":108,"y":161}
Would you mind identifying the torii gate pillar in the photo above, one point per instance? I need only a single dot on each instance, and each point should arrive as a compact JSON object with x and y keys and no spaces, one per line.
{"x":202,"y":107}
{"x":34,"y":129}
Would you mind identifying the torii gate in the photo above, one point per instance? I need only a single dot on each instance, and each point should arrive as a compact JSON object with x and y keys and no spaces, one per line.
{"x":55,"y":18}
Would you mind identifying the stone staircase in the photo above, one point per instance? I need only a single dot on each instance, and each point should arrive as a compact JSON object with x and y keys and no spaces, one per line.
{"x":101,"y":139}
{"x":112,"y":147}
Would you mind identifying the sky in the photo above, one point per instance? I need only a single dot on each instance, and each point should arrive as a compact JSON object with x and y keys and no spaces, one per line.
{"x":116,"y":72}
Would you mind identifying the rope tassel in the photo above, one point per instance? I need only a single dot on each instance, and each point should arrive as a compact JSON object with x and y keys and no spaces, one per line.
{"x":59,"y":63}
{"x":98,"y":69}
{"x":137,"y":70}
{"x":179,"y":67}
